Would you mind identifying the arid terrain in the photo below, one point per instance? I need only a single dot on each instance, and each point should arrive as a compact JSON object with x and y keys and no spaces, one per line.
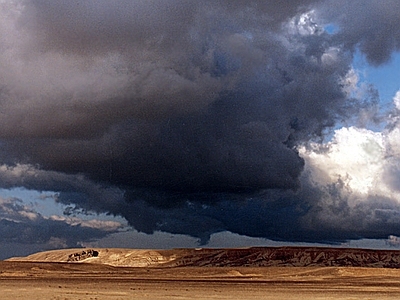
{"x":250,"y":273}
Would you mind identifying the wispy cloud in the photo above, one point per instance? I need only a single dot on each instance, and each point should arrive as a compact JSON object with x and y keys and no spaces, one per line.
{"x":21,"y":224}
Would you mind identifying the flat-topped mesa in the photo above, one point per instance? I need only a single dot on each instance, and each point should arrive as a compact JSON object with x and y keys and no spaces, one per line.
{"x":84,"y":254}
{"x":231,"y":257}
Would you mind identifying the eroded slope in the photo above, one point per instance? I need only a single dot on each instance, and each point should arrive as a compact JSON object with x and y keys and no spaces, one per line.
{"x":243,"y":257}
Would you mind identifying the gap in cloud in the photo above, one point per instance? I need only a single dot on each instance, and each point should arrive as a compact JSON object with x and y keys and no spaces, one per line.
{"x":331,"y":28}
{"x":374,"y":87}
{"x":385,"y":78}
{"x":41,"y":201}
{"x":46,"y":204}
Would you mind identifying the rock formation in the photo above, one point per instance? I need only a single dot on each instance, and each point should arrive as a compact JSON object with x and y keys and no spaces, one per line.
{"x":78,"y":256}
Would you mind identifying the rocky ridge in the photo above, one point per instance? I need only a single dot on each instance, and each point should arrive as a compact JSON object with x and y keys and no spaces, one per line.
{"x":234,"y":257}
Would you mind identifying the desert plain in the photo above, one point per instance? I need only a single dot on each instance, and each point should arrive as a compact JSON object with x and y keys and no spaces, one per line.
{"x":201,"y":274}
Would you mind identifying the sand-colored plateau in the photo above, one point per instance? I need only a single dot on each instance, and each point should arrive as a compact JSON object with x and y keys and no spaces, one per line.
{"x":202,"y":274}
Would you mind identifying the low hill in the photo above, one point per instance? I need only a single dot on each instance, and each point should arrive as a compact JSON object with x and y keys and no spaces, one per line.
{"x":236,"y":257}
{"x":109,"y":256}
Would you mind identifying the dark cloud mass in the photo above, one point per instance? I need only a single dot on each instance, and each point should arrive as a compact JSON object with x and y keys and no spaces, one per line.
{"x":186,"y":116}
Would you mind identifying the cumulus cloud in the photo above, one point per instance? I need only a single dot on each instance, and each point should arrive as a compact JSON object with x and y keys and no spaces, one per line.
{"x":365,"y":161}
{"x":357,"y":175}
{"x":196,"y":118}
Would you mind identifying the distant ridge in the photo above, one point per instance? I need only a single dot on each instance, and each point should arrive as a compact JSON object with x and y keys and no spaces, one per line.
{"x":231,"y":257}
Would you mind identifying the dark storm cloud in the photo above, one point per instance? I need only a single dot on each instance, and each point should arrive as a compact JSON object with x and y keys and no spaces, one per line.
{"x":182,"y":116}
{"x":317,"y":213}
{"x":157,"y":26}
{"x":219,"y":109}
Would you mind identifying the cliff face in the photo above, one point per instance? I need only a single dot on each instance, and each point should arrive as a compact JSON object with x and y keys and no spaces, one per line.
{"x":242,"y":257}
{"x":291,"y":256}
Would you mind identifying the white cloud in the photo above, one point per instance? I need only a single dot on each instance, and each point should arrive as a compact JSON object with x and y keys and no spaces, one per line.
{"x":366,"y":162}
{"x":103,"y":225}
{"x":396,"y":100}
{"x":12,"y":209}
{"x":330,"y":57}
{"x":350,"y":82}
{"x":355,"y":155}
{"x":393,"y":241}
{"x":29,"y":214}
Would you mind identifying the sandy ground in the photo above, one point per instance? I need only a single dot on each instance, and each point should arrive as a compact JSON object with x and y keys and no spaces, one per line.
{"x":74,"y":281}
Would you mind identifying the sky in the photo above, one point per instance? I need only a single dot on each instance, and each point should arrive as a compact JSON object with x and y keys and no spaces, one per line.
{"x":162,"y":124}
